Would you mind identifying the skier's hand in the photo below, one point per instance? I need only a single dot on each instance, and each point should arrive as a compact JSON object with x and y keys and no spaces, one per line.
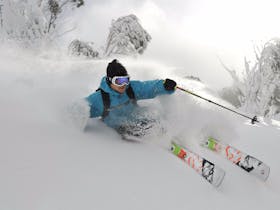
{"x":169,"y":84}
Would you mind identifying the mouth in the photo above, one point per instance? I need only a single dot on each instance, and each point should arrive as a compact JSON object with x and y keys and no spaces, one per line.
{"x":122,"y":87}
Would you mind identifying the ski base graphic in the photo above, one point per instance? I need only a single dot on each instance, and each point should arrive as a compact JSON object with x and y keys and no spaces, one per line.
{"x":203,"y":167}
{"x":246,"y":162}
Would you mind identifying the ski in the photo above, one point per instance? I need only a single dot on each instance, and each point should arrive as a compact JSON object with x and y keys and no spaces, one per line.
{"x":246,"y":162}
{"x":205,"y":168}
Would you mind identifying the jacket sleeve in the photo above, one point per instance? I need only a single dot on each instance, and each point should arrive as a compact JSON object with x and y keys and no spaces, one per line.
{"x":148,"y":89}
{"x":96,"y":104}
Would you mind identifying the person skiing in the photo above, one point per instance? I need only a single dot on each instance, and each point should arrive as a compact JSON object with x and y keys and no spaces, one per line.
{"x":115,"y":101}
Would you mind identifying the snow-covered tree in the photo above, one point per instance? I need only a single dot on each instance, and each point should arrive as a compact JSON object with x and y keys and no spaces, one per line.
{"x":126,"y":37}
{"x":264,"y":85}
{"x":32,"y":22}
{"x":259,"y":91}
{"x":84,"y":49}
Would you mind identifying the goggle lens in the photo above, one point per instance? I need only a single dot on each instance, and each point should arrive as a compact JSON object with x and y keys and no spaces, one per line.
{"x":121,"y":81}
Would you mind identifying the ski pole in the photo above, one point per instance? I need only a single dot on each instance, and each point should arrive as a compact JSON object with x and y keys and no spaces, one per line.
{"x":253,"y":120}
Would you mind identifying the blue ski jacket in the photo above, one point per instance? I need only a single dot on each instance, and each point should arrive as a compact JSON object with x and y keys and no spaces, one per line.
{"x":122,"y":110}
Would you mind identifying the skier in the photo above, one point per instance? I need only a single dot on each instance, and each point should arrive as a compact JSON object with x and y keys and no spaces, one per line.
{"x":116,"y":100}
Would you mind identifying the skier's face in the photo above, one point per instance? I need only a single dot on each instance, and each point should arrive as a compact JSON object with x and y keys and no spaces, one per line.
{"x":119,"y":89}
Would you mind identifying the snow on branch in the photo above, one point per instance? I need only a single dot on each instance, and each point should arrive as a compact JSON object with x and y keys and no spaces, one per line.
{"x":32,"y":22}
{"x":82,"y":49}
{"x":127,"y":37}
{"x":260,"y":87}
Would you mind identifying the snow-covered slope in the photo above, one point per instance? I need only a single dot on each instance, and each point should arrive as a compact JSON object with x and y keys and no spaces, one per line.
{"x":47,"y":164}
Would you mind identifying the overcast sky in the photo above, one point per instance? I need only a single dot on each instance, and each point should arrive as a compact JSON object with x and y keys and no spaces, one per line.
{"x":191,"y":34}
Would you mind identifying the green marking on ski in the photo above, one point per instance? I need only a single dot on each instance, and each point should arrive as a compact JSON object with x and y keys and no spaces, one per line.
{"x":176,"y":148}
{"x":211,"y":143}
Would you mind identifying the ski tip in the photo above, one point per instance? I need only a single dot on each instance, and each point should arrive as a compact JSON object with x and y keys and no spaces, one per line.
{"x":219,"y":178}
{"x":263,"y":172}
{"x":267,"y":175}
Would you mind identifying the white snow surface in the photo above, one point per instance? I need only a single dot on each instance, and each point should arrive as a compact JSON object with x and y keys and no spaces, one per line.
{"x":47,"y":164}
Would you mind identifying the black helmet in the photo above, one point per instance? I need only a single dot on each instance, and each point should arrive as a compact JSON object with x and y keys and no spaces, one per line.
{"x":115,"y":69}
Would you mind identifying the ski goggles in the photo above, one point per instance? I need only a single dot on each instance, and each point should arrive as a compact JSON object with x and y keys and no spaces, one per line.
{"x":120,"y":80}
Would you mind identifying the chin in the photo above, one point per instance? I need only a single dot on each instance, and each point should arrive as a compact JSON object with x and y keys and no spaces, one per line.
{"x":121,"y":91}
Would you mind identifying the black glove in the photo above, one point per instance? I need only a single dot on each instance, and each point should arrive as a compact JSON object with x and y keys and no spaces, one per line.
{"x":169,"y":84}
